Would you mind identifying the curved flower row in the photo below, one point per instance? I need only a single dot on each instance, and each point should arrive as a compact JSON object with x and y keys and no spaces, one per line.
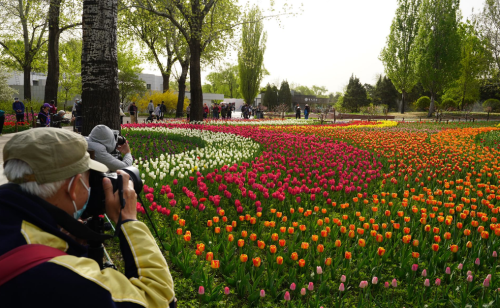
{"x":221,"y":149}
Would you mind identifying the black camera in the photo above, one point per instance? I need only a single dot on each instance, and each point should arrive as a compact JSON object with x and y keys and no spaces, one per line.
{"x":120,"y":140}
{"x":96,"y":204}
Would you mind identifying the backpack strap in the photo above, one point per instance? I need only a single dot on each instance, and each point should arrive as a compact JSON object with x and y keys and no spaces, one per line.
{"x":25,"y":257}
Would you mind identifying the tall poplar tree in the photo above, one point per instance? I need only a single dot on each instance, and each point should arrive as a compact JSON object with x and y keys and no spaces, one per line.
{"x":399,"y":67}
{"x":437,"y":46}
{"x":251,"y":54}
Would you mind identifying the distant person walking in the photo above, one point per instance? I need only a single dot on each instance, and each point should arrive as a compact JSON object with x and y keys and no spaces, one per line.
{"x":297,"y":112}
{"x":151,"y":109}
{"x":18,"y":109}
{"x":188,"y":110}
{"x":163,"y":110}
{"x":206,"y":111}
{"x":2,"y":120}
{"x":307,"y":110}
{"x":132,"y":109}
{"x":158,"y":112}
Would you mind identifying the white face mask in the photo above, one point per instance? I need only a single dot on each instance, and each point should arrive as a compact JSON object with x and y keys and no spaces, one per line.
{"x":78,"y":213}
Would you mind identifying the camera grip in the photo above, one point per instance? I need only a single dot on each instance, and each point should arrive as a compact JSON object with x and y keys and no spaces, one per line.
{"x":119,"y":184}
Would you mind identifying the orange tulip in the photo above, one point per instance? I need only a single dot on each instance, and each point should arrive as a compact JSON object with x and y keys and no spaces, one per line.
{"x":200,"y":247}
{"x":256,"y":262}
{"x":261,"y":244}
{"x":361,"y":242}
{"x":294,"y":256}
{"x":328,"y":261}
{"x":274,"y":236}
{"x":179,"y":231}
{"x":243,"y":258}
{"x":302,"y":263}
{"x":241,"y":242}
{"x":435,"y":247}
{"x":209,"y":223}
{"x":304,"y":245}
{"x":348,"y":255}
{"x":380,"y":251}
{"x":253,"y":237}
{"x":244,"y":234}
{"x":215,"y":264}
{"x":338,"y":243}
{"x":279,"y":260}
{"x":282,"y":243}
{"x":182,"y":222}
{"x":187,"y":238}
{"x":209,"y":256}
{"x":272,"y":249}
{"x":454,"y":248}
{"x":320,"y":248}
{"x":230,"y":237}
{"x":415,"y":255}
{"x":314,"y":238}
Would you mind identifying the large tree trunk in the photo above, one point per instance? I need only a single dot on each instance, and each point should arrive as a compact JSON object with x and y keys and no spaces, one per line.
{"x":182,"y":89}
{"x":432,"y":106}
{"x":166,"y":81}
{"x":52,"y":82}
{"x":196,"y":113}
{"x":100,"y":94}
{"x":27,"y":82}
{"x":403,"y":102}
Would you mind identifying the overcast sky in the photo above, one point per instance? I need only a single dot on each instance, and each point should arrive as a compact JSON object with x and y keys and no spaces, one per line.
{"x":330,"y":40}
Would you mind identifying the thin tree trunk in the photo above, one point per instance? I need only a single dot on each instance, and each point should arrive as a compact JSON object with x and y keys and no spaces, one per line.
{"x":403,"y":102}
{"x":196,"y":113}
{"x":166,"y":81}
{"x":100,"y":94}
{"x":432,"y":106}
{"x":27,"y":82}
{"x":463,"y":96}
{"x":182,"y":88}
{"x":52,"y":82}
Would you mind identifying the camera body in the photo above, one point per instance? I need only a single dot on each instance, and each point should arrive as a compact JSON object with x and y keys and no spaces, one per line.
{"x":120,"y":140}
{"x":96,"y":204}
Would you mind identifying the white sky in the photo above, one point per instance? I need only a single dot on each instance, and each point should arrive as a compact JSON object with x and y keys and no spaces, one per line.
{"x":329,"y":41}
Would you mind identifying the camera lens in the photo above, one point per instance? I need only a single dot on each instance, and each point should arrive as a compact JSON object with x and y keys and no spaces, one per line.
{"x":120,"y":140}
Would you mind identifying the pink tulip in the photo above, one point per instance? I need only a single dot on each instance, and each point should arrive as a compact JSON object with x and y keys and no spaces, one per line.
{"x":424,"y":273}
{"x":494,"y":254}
{"x":386,"y":284}
{"x":486,"y":283}
{"x":342,"y":278}
{"x":438,"y":282}
{"x":303,"y":291}
{"x":460,"y":266}
{"x":394,"y":283}
{"x":414,"y":267}
{"x":341,"y":287}
{"x":469,"y":273}
{"x":319,"y":270}
{"x":262,"y":293}
{"x":488,"y":277}
{"x":448,"y":270}
{"x":363,"y":284}
{"x":293,"y":286}
{"x":310,"y":287}
{"x":374,"y":280}
{"x":478,"y":262}
{"x":287,"y":296}
{"x":226,"y":290}
{"x":469,"y":278}
{"x":427,"y":283}
{"x":201,"y":290}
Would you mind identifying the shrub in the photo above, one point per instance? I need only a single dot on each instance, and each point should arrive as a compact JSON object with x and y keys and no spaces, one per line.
{"x":423,"y":103}
{"x":168,"y":97}
{"x":493,"y":103}
{"x":448,"y":104}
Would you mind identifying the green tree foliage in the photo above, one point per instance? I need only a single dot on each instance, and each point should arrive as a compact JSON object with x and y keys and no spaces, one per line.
{"x":128,"y":73}
{"x":23,"y":26}
{"x":70,"y":66}
{"x":284,"y":94}
{"x":225,"y":81}
{"x":448,"y":104}
{"x":386,"y":93}
{"x":489,"y":25}
{"x":355,"y":96}
{"x":492,"y":103}
{"x":399,"y":66}
{"x":270,"y":99}
{"x":475,"y":59}
{"x":423,"y":103}
{"x":437,"y":46}
{"x":251,"y":54}
{"x":318,"y":91}
{"x":6,"y":92}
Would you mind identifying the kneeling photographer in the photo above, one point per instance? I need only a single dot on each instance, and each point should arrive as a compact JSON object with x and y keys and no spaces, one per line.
{"x":107,"y":146}
{"x":58,"y":119}
{"x":42,"y":260}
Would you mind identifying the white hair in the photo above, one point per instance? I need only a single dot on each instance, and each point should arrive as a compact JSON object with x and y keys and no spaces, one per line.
{"x":15,"y":169}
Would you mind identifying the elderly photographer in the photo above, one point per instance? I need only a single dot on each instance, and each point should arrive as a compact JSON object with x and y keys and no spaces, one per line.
{"x":103,"y":142}
{"x":58,"y":119}
{"x":41,"y":264}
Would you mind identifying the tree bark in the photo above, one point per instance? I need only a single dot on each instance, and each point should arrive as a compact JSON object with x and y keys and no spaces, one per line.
{"x":182,"y":88}
{"x":100,"y":93}
{"x":52,"y":83}
{"x":196,"y":113}
{"x":27,"y":82}
{"x":403,"y":102}
{"x":432,"y":106}
{"x":166,"y":81}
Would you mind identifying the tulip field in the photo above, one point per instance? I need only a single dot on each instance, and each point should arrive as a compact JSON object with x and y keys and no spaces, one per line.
{"x":289,"y":213}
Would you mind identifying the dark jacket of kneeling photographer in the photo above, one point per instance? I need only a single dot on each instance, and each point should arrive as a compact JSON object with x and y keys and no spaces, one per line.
{"x":102,"y":141}
{"x":44,"y":265}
